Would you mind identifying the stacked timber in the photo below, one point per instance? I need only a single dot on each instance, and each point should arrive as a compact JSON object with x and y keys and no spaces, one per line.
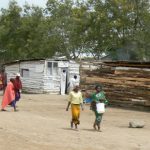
{"x":124,"y":86}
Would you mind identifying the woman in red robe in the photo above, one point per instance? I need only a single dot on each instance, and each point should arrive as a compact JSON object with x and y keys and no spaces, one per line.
{"x":9,"y":95}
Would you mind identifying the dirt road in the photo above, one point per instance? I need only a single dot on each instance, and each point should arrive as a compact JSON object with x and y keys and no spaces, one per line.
{"x":43,"y":124}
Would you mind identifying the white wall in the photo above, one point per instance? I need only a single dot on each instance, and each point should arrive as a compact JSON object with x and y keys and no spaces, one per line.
{"x":73,"y":70}
{"x":51,"y":79}
{"x":11,"y":71}
{"x":34,"y":82}
{"x":37,"y":79}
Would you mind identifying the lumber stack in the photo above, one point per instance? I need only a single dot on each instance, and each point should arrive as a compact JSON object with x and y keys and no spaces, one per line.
{"x":124,"y":86}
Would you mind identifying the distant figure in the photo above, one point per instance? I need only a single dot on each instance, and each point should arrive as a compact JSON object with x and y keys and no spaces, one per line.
{"x":18,"y":87}
{"x":75,"y":100}
{"x":63,"y":82}
{"x":73,"y":82}
{"x":4,"y":79}
{"x":9,"y":95}
{"x":3,"y":82}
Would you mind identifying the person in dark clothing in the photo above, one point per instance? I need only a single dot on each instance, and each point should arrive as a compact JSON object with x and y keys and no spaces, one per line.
{"x":18,"y":87}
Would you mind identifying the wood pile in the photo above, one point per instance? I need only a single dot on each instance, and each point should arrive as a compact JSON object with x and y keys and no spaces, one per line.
{"x":124,"y":86}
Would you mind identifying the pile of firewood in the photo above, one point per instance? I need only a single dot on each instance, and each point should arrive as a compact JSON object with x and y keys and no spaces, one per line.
{"x":125,"y":86}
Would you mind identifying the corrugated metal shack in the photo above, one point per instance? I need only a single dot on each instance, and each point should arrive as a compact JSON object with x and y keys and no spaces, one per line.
{"x":126,"y":84}
{"x":42,"y":75}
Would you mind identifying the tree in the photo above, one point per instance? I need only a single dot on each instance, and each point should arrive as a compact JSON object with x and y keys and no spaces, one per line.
{"x":70,"y":29}
{"x":9,"y":36}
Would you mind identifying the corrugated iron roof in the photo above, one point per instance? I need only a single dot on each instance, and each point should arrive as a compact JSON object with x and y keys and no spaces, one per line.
{"x":34,"y":59}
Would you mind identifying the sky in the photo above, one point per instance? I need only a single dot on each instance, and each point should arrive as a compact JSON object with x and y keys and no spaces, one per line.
{"x":41,"y":3}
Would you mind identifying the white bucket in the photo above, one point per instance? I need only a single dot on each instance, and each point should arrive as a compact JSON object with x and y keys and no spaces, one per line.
{"x":100,"y":108}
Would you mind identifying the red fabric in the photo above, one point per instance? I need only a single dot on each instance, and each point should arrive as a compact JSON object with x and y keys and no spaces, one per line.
{"x":9,"y":95}
{"x":18,"y":84}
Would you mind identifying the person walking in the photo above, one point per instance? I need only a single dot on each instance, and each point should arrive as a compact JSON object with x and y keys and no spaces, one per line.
{"x":18,"y":87}
{"x":76,"y":101}
{"x":9,"y":95}
{"x":97,"y":97}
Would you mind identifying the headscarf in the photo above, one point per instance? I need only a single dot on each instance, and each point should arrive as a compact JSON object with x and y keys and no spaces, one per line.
{"x":17,"y":74}
{"x":99,"y":86}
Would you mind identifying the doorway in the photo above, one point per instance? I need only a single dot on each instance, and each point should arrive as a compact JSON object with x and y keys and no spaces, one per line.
{"x":63,"y":81}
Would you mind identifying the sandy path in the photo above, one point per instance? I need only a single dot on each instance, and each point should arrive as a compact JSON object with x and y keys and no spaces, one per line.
{"x":43,"y":124}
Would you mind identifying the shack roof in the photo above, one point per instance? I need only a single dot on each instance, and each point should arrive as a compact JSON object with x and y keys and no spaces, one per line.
{"x":40,"y":59}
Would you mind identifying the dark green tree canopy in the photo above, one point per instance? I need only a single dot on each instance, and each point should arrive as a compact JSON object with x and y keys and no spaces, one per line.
{"x":71,"y":28}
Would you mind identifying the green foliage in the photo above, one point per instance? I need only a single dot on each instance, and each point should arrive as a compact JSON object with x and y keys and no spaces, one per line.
{"x":70,"y":28}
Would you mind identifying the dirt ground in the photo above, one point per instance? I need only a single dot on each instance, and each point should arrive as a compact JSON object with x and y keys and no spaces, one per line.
{"x":43,"y":124}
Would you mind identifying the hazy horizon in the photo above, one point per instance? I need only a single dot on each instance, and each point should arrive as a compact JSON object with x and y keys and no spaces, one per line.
{"x":4,"y":3}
